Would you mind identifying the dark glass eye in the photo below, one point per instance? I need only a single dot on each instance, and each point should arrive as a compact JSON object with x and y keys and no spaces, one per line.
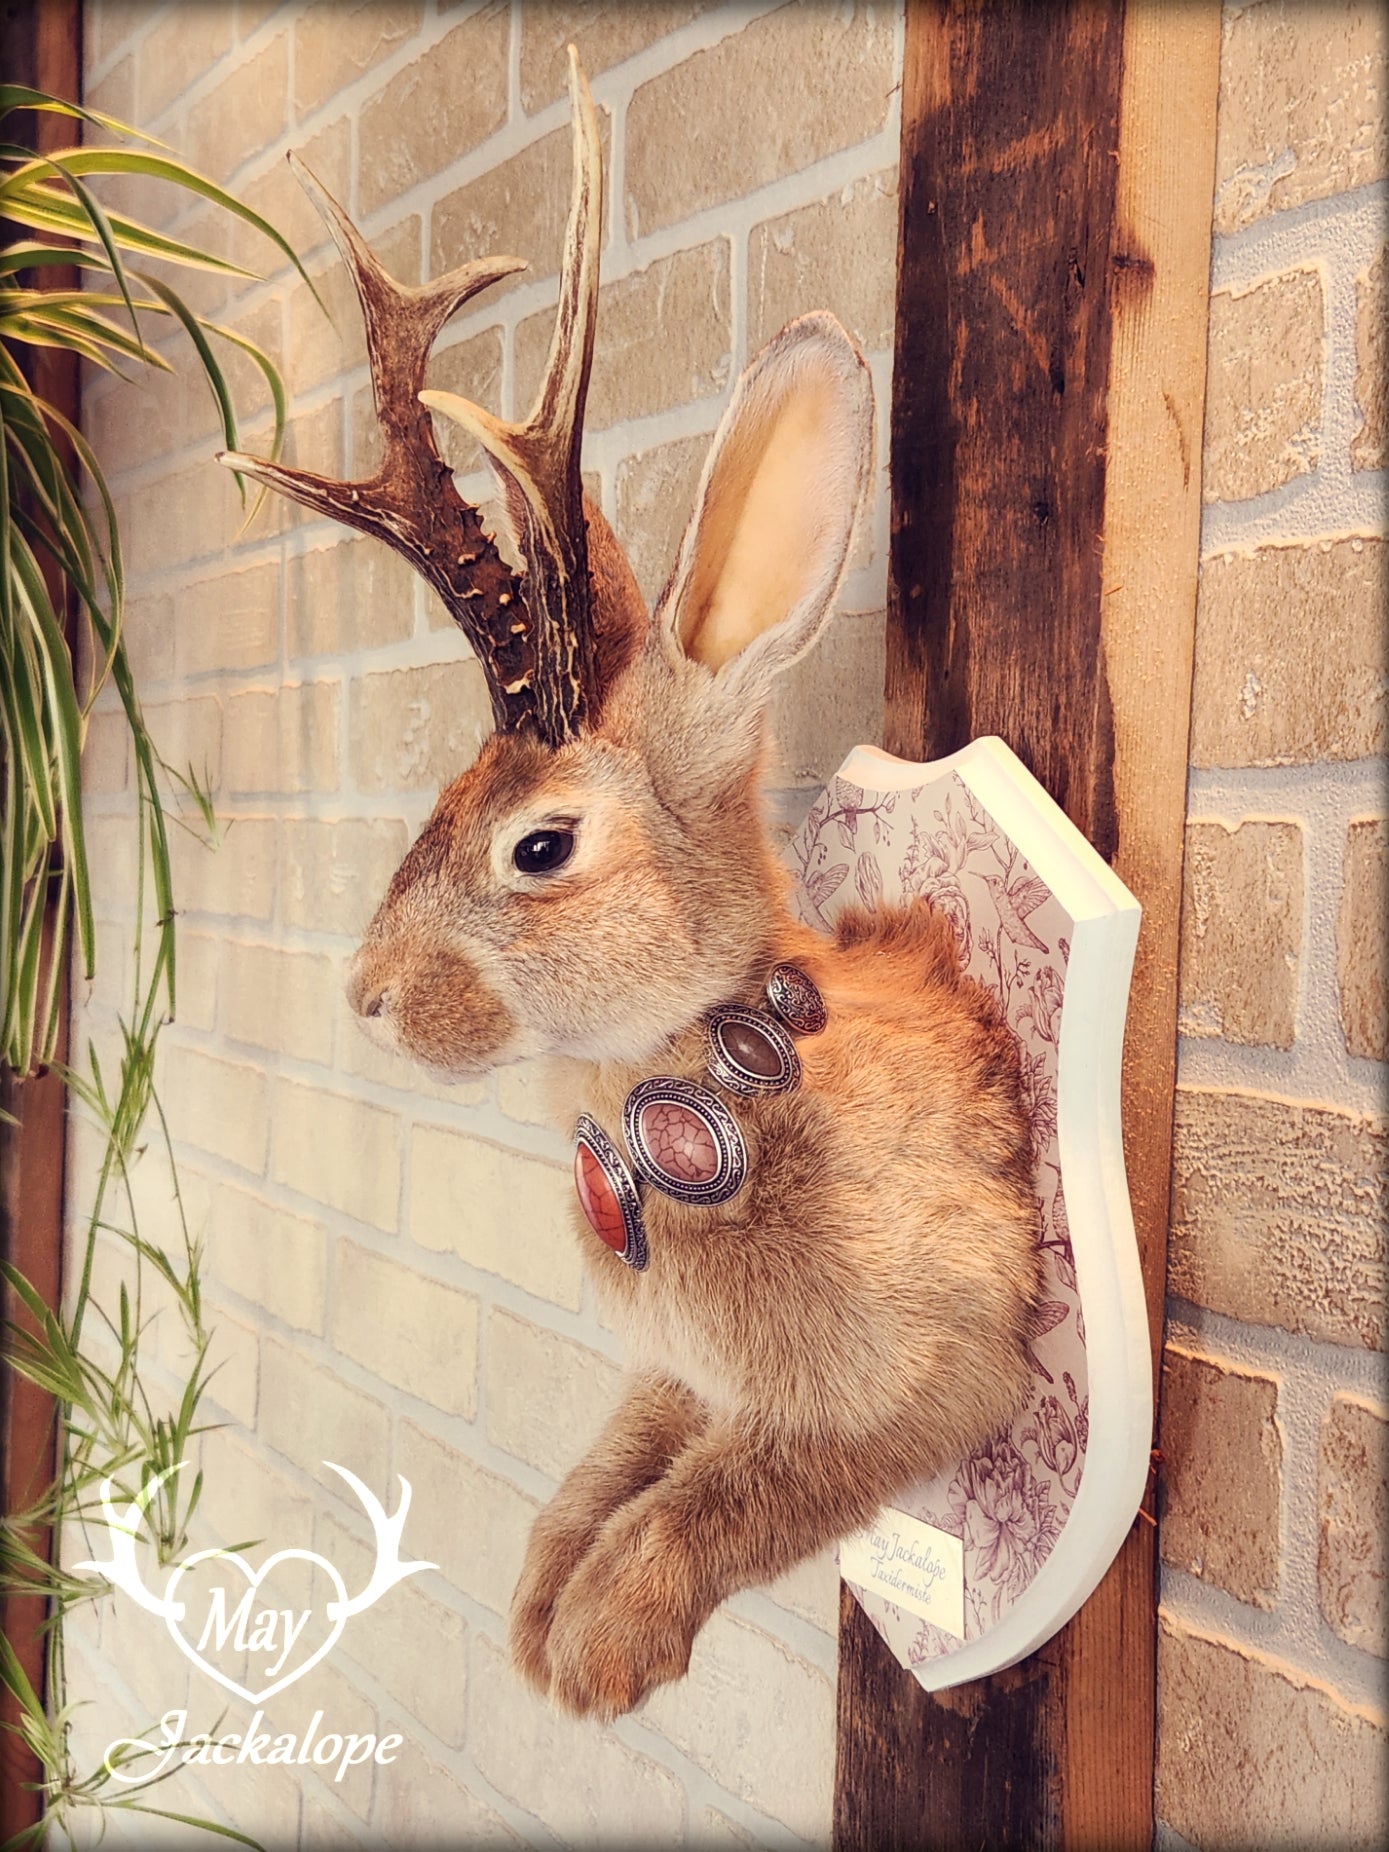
{"x":543,"y":851}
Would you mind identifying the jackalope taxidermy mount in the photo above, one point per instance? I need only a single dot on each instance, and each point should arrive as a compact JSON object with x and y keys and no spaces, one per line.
{"x":825,"y":1288}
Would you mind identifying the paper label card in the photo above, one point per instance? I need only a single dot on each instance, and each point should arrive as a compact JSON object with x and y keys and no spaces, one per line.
{"x":912,"y":1564}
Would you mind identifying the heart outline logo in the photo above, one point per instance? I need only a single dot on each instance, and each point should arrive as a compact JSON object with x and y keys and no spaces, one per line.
{"x":336,"y":1611}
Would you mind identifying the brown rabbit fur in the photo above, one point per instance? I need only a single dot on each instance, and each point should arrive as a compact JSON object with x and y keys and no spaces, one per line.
{"x":856,"y":1317}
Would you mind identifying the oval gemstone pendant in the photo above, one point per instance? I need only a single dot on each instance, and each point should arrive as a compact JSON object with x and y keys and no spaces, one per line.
{"x":608,"y":1193}
{"x":749,"y":1053}
{"x":796,"y":1000}
{"x":684,"y":1141}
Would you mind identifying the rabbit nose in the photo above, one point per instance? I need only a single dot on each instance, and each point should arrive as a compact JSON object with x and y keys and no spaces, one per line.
{"x":368,"y":994}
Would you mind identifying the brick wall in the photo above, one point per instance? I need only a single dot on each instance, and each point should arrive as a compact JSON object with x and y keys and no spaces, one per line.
{"x":370,"y":1307}
{"x":1271,"y":1659}
{"x":388,"y":1263}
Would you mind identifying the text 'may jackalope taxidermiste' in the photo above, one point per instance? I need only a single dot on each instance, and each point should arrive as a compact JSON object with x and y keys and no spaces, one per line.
{"x":803,"y":1163}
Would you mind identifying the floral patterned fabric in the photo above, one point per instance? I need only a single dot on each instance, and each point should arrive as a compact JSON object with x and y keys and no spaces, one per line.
{"x":1009,"y":1500}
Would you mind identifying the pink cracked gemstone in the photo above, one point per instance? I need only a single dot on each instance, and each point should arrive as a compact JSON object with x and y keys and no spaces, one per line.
{"x":679,"y":1142}
{"x":598,"y":1199}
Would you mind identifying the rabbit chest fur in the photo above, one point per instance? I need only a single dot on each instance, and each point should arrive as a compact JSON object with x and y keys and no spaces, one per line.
{"x":876,"y":1272}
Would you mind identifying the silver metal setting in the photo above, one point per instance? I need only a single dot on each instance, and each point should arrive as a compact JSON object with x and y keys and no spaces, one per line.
{"x":610,"y":1160}
{"x":732,"y":1154}
{"x":796,"y":1000}
{"x":730,"y":1072}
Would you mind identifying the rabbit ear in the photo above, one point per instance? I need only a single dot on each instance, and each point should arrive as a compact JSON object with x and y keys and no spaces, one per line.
{"x":781,"y":489}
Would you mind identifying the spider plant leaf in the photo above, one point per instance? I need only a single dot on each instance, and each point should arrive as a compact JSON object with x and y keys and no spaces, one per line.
{"x":216,"y":379}
{"x":78,"y":161}
{"x":20,"y":96}
{"x":45,"y":209}
{"x":100,"y":224}
{"x":31,"y":255}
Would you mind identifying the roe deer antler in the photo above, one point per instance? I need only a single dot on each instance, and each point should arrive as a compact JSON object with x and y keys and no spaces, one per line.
{"x":531,"y":632}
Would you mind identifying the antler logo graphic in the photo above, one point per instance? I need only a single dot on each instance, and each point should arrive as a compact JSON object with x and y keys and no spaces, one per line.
{"x":278,"y":1642}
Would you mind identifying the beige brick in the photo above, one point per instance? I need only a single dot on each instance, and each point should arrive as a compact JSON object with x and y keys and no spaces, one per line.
{"x":1251,"y":1752}
{"x":1354,"y":1488}
{"x":1371,"y":376}
{"x":1290,"y":656}
{"x":417,"y":729}
{"x":115,"y":94}
{"x":149,"y":638}
{"x":313,"y":440}
{"x":1241,"y":931}
{"x":281,"y":1000}
{"x":283,"y":739}
{"x":405,"y":1328}
{"x":187,"y":735}
{"x":607,"y":32}
{"x":244,"y":1498}
{"x":666,"y":338}
{"x":340,"y":1151}
{"x":310,"y":1415}
{"x":519,"y":208}
{"x":247,"y":111}
{"x":229,"y":622}
{"x":234,"y":1360}
{"x":1301,"y":106}
{"x":497,"y":1210}
{"x":1278,"y":1214}
{"x":354,"y":595}
{"x":469,"y":1521}
{"x":1361,"y":956}
{"x":218,"y":1105}
{"x":187,"y":42}
{"x":336,"y":873}
{"x":811,"y":1590}
{"x":655,"y":499}
{"x":1263,"y":387}
{"x":693,"y":139}
{"x":388,"y":1067}
{"x":107,"y":24}
{"x":1222,"y":1456}
{"x":570,"y":1391}
{"x":326,"y":337}
{"x":106,"y":753}
{"x":279,"y":198}
{"x":738,"y":1675}
{"x":420,"y":1804}
{"x":334,"y":43}
{"x":270,"y":1255}
{"x":831,"y":700}
{"x":252,"y":13}
{"x":839,"y":254}
{"x":521,"y":1093}
{"x":197,"y":960}
{"x":424,"y":118}
{"x":471,"y":368}
{"x":578,"y":1780}
{"x":234,"y":876}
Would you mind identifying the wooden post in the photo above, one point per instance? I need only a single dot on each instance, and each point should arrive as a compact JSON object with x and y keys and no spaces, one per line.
{"x":1057,"y":169}
{"x":40,"y":45}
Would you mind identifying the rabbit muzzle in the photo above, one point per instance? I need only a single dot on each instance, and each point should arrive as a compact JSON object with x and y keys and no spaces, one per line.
{"x":434,"y":1006}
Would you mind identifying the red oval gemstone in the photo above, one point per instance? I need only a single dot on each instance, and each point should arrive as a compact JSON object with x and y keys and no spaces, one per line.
{"x":598,"y":1198}
{"x":679,"y":1142}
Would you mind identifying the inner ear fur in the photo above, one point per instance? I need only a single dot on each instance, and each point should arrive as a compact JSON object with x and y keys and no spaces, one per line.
{"x":777,"y":502}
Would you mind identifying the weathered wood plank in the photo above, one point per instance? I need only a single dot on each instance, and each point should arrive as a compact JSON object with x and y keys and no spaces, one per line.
{"x":40,"y":45}
{"x":1048,"y":395}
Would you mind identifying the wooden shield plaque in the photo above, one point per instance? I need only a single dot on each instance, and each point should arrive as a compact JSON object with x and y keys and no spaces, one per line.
{"x":976,"y":1568}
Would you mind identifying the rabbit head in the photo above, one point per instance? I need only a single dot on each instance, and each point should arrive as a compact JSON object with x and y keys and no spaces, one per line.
{"x":595,"y":896}
{"x":600,"y":875}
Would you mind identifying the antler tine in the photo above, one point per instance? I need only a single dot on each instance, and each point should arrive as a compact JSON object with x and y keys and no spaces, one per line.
{"x":411,"y":502}
{"x":537,"y":462}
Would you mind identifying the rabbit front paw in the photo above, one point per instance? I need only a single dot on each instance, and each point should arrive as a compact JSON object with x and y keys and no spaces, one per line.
{"x":622,"y":1626}
{"x":552,"y":1554}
